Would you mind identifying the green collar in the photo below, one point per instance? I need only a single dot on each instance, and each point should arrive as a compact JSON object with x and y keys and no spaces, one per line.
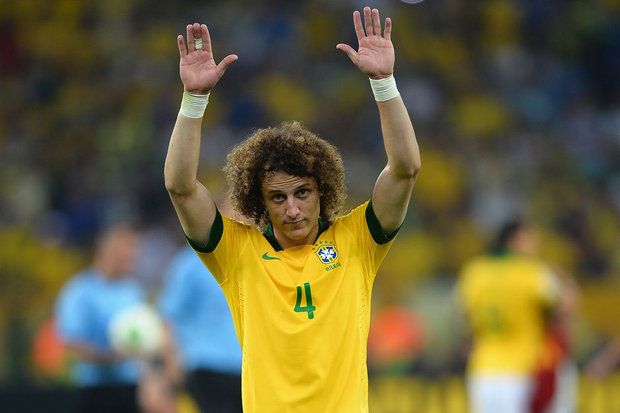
{"x":268,"y":233}
{"x":502,"y":253}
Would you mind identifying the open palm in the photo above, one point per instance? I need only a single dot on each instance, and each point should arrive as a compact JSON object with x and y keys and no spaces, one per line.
{"x":197,"y":67}
{"x":375,"y":54}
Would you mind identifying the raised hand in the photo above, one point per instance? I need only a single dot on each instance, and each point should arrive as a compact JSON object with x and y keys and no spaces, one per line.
{"x":197,"y":67}
{"x":375,"y":54}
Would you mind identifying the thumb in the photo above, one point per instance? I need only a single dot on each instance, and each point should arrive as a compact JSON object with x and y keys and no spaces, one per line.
{"x":348,"y":50}
{"x":226,"y":62}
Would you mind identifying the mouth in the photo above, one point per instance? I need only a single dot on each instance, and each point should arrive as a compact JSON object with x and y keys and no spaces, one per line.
{"x":295,"y":222}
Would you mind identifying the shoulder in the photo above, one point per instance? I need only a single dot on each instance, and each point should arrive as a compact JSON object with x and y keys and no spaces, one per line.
{"x":475,"y":265}
{"x":534,"y":266}
{"x":224,"y":228}
{"x":354,"y":212}
{"x":541,"y":271}
{"x":476,"y":273}
{"x":239,"y":234}
{"x":238,"y":224}
{"x":77,"y":289}
{"x":362,"y":220}
{"x":80,"y":282}
{"x":354,"y":218}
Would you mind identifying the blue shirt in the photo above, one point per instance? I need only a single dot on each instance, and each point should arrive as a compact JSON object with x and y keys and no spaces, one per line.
{"x":195,"y":306}
{"x":84,"y":309}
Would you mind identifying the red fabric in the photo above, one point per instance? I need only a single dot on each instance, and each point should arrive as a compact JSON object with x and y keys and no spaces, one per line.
{"x":544,"y":390}
{"x":545,"y":376}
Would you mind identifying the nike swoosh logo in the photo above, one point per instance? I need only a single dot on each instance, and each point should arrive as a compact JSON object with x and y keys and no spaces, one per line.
{"x":267,"y":257}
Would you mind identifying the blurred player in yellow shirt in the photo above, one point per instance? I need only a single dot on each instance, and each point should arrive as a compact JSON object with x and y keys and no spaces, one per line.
{"x":299,"y":281}
{"x":507,"y":297}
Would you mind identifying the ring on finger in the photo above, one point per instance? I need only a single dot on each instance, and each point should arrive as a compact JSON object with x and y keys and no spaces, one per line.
{"x":198,"y":43}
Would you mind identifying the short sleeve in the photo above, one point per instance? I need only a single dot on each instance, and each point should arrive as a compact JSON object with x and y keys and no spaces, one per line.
{"x":378,"y":234}
{"x":71,"y":314}
{"x":226,"y":244}
{"x":367,"y":236}
{"x":548,"y":286}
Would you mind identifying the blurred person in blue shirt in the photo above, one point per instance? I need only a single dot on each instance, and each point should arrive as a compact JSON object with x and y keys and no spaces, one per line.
{"x":87,"y":304}
{"x":197,"y":313}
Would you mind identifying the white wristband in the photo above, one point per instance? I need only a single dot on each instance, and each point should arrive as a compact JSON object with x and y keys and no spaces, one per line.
{"x":193,"y":106}
{"x":384,"y":89}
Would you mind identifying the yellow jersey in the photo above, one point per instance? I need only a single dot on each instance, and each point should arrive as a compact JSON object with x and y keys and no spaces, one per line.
{"x":505,"y":298}
{"x":301,"y":314}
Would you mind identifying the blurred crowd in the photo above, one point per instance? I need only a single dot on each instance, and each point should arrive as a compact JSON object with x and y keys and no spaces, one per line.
{"x":516,"y":105}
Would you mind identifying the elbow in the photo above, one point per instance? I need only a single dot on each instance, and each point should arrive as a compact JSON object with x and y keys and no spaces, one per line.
{"x":410,"y":171}
{"x":175,"y":189}
{"x":170,"y":184}
{"x":415,"y":168}
{"x":406,"y":165}
{"x":177,"y":183}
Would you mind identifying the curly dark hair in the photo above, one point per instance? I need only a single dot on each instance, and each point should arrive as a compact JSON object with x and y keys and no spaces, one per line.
{"x":289,"y":148}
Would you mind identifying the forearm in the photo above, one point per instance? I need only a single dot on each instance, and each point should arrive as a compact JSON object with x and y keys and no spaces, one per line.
{"x":392,"y":190}
{"x":399,"y":139}
{"x":375,"y":58}
{"x":90,"y":353}
{"x":170,"y":358}
{"x":183,"y":155}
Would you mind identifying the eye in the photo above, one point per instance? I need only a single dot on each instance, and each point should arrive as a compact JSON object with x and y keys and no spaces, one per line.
{"x":278,"y":197}
{"x":303,"y":192}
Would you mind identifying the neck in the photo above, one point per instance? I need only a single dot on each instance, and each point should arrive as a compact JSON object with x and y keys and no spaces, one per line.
{"x":286,"y":242}
{"x":108,"y":271}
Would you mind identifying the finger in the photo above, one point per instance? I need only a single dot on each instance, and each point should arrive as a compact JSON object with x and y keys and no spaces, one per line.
{"x":387,"y":33}
{"x":197,"y":34}
{"x":348,"y":50}
{"x":181,"y":44}
{"x":226,"y":62}
{"x":357,"y":23}
{"x":206,"y":38}
{"x":197,"y":31}
{"x":376,"y":22}
{"x":190,"y":38}
{"x":368,"y":21}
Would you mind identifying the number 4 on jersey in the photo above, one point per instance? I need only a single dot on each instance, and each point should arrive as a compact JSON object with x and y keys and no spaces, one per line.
{"x":308,"y":308}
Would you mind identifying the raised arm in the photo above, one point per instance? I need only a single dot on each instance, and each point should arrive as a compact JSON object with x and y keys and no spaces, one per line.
{"x":375,"y":58}
{"x":199,"y":74}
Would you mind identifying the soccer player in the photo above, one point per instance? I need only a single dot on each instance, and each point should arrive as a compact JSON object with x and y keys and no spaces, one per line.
{"x":87,"y":304}
{"x":298,"y":287}
{"x":507,"y":297}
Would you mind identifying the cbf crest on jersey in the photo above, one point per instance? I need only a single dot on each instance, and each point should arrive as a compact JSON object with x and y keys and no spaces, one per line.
{"x":327,"y":254}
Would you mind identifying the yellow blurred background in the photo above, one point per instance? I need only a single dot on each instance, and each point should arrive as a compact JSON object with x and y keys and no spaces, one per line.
{"x":516,"y":105}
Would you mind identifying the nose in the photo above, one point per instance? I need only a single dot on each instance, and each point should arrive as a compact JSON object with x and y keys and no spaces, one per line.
{"x":292,"y":209}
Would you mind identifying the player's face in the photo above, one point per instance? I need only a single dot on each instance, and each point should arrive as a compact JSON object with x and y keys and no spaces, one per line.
{"x":293,"y":205}
{"x":119,"y":252}
{"x":526,"y":241}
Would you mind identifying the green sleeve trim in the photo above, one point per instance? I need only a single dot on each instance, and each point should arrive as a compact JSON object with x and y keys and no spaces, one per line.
{"x":217,"y":229}
{"x":378,"y":234}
